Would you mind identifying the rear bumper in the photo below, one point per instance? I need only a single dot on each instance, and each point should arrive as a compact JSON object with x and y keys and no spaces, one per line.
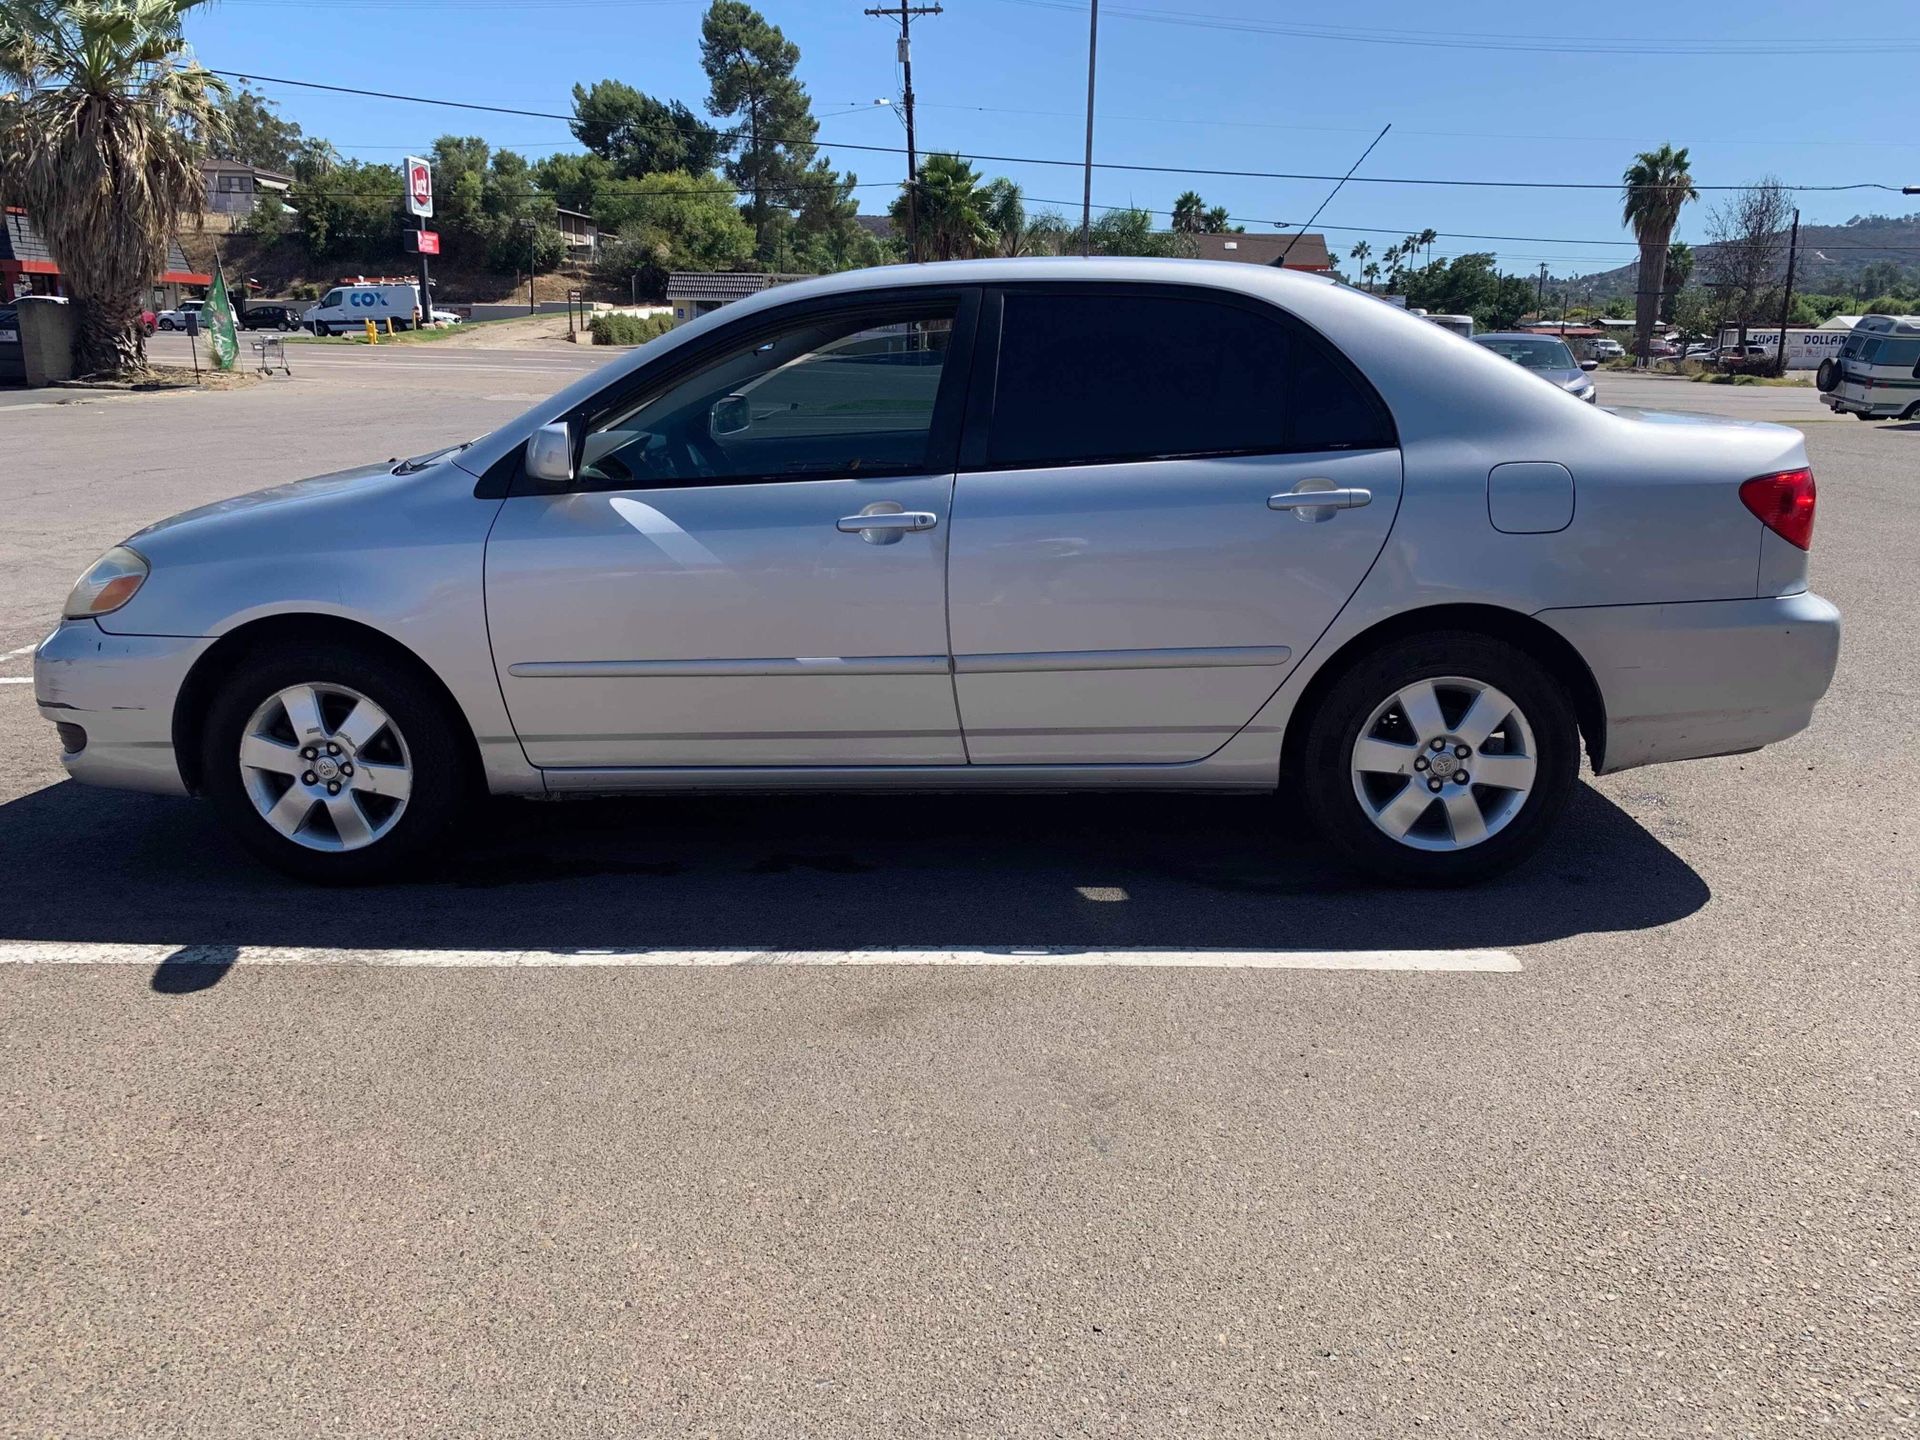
{"x":1713,"y":677}
{"x":120,"y":690}
{"x":1888,"y":403}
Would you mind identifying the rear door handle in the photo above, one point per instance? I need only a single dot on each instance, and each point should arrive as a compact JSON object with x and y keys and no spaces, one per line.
{"x":1348,"y":499}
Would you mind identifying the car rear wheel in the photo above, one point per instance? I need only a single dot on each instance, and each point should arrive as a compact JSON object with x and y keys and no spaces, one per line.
{"x":1440,"y":759}
{"x":331,"y":764}
{"x":1827,"y":377}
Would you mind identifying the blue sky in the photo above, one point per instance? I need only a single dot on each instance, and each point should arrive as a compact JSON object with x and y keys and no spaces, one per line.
{"x":1222,"y":84}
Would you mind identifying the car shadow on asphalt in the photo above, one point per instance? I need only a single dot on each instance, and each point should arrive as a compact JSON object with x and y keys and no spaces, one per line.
{"x":817,"y":872}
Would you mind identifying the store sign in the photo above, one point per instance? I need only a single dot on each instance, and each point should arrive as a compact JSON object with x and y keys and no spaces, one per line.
{"x":419,"y":186}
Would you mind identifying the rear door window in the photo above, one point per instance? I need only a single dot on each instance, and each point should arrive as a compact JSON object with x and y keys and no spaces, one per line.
{"x":1086,"y":378}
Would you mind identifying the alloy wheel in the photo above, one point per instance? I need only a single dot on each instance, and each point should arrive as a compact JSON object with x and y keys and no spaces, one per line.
{"x":1443,"y":764}
{"x":325,"y":767}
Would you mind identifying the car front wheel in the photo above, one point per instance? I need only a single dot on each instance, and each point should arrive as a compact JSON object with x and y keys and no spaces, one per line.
{"x":332,"y":765}
{"x":1440,"y":759}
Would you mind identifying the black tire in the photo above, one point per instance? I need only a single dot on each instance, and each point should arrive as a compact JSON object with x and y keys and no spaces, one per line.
{"x":1827,"y":377}
{"x":1324,"y":772}
{"x":166,"y":324}
{"x":442,"y":781}
{"x":1863,"y":415}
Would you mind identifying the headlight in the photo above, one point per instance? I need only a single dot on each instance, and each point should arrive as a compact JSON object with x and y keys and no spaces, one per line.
{"x":114,"y":579}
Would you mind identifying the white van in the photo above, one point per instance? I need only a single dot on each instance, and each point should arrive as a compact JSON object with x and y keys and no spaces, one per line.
{"x":348,"y":307}
{"x":1876,"y":375}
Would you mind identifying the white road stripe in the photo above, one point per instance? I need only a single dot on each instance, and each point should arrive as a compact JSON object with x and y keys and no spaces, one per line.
{"x":16,"y":680}
{"x":23,"y":650}
{"x":41,"y":952}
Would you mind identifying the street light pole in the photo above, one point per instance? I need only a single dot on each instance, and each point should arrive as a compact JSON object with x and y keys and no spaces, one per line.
{"x":1086,"y":183}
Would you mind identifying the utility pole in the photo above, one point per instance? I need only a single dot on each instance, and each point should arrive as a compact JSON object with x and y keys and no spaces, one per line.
{"x":1786,"y":298}
{"x":906,"y":14}
{"x":1086,"y":184}
{"x":1540,"y":302}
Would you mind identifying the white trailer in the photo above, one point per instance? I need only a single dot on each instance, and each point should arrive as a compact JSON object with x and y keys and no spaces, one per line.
{"x":1805,"y":348}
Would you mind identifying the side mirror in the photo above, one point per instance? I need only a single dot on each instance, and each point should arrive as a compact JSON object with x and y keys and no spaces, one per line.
{"x":550,"y":454}
{"x":1589,"y":364}
{"x":730,"y":415}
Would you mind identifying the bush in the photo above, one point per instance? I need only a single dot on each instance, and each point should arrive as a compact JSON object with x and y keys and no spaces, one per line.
{"x":628,"y":329}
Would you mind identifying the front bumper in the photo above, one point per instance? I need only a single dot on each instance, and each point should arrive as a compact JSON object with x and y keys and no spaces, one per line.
{"x":120,"y":690}
{"x":1711,"y":677}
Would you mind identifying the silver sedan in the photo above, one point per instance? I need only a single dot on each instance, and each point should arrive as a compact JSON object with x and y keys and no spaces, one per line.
{"x":1041,"y":525}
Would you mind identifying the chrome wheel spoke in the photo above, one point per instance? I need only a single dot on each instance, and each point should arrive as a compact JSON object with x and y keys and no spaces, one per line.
{"x":1399,"y":814}
{"x":366,"y":720}
{"x":263,"y":752}
{"x":290,"y":811}
{"x":1421,"y":705}
{"x":1464,"y":819}
{"x":303,"y":713}
{"x":348,"y":821}
{"x":395,"y":782}
{"x":1509,"y":772}
{"x":1483,"y":717}
{"x":1383,"y":757}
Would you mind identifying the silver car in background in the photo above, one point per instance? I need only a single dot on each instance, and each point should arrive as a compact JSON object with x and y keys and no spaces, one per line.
{"x":1546,"y":356}
{"x":1011,"y":525}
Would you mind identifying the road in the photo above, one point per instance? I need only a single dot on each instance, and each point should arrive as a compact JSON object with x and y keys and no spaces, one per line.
{"x":1655,"y":1177}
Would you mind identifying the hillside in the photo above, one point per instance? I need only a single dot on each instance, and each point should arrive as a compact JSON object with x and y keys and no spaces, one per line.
{"x":1832,"y":257}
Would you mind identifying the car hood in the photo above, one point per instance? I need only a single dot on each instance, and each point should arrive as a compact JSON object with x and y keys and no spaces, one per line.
{"x":1565,"y":379}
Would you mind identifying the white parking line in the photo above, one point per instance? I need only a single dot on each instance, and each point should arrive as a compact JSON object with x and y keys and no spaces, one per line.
{"x":41,"y":952}
{"x":16,"y":680}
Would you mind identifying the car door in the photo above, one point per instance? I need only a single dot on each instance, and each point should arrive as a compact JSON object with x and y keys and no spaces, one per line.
{"x":1138,"y":555}
{"x":750,"y":566}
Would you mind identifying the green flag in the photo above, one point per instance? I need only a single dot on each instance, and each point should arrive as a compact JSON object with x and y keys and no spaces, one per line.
{"x":223,"y":341}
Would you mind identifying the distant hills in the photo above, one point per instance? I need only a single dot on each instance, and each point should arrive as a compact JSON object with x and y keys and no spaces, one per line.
{"x":1833,"y":258}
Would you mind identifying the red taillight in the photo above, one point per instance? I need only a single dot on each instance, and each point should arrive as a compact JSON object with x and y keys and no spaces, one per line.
{"x":1784,"y":503}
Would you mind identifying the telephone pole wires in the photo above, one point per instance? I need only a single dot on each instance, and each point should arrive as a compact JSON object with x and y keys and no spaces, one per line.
{"x":906,"y":14}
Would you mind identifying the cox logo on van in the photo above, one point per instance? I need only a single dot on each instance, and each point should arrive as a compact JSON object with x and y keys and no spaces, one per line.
{"x":372,"y":299}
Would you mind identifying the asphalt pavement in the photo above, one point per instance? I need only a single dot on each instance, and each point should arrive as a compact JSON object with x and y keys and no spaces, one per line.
{"x":1657,"y":1176}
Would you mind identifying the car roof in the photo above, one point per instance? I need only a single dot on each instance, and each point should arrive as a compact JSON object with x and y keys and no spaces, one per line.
{"x":1514,"y":335}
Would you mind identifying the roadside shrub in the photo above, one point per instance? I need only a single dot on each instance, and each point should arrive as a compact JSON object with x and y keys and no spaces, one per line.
{"x":628,"y":329}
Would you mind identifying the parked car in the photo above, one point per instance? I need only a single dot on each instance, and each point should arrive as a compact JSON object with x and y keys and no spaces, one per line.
{"x":177,"y":319}
{"x":148,"y":322}
{"x":348,"y":307}
{"x":270,"y":315}
{"x":1546,"y":356}
{"x":447,"y":317}
{"x":1608,"y":350}
{"x":1876,"y":375}
{"x":954,"y":527}
{"x":1743,"y":357}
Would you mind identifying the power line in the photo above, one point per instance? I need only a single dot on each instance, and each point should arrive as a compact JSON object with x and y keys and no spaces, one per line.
{"x":1130,"y":167}
{"x":1455,"y":40}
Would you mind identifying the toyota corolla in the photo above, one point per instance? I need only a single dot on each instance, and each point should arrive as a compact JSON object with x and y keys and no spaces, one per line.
{"x":1013,"y":525}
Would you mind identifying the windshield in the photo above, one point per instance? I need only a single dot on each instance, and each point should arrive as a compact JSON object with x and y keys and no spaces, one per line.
{"x":1532,"y":351}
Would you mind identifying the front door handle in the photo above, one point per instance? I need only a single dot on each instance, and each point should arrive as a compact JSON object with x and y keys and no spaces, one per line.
{"x":1330,"y":499}
{"x":878,"y":526}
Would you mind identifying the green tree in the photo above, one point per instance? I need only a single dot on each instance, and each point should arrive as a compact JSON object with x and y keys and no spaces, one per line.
{"x":952,"y":210}
{"x":1005,"y":210}
{"x":98,"y":143}
{"x":637,"y":135}
{"x":1189,"y":212}
{"x":1654,"y":188}
{"x":1131,"y":232}
{"x":256,"y":135}
{"x":1679,"y":271}
{"x":349,"y":211}
{"x":661,"y":223}
{"x":750,"y":65}
{"x":572,"y":180}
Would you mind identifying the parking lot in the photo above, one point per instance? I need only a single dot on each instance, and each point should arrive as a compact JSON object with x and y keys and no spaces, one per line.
{"x":285,"y":1161}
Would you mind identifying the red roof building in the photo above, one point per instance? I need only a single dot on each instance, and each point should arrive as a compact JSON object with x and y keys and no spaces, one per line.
{"x":27,"y":268}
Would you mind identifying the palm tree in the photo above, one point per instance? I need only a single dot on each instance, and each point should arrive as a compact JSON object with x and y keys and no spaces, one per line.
{"x":1361,"y":250}
{"x":1655,"y":186}
{"x":1005,"y":213}
{"x":1189,"y":212}
{"x":953,"y":223}
{"x":1678,"y":272}
{"x":1372,"y":273}
{"x":1426,"y":238}
{"x":97,"y":143}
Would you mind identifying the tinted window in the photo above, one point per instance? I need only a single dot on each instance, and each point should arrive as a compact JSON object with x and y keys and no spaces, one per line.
{"x":836,"y":395}
{"x":1087,"y":378}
